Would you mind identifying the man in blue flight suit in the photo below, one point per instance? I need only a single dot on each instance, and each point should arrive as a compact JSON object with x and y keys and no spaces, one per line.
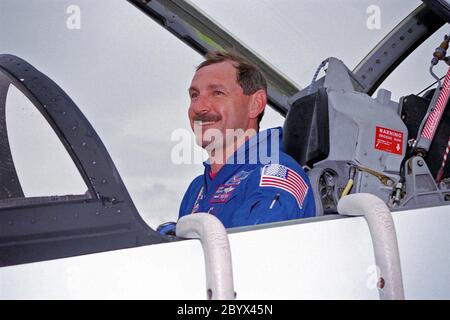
{"x":248,"y":179}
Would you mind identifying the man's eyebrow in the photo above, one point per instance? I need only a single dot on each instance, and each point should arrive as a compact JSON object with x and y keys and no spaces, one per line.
{"x":192,"y":89}
{"x":211,"y":87}
{"x":216,"y":86}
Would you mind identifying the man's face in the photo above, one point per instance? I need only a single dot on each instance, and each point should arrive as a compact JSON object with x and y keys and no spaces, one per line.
{"x":217,"y":102}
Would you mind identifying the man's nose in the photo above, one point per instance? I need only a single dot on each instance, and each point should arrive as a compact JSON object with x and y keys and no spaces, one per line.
{"x":201,"y":105}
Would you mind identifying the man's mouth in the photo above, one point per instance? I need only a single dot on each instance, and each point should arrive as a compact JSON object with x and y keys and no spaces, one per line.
{"x":205,"y":123}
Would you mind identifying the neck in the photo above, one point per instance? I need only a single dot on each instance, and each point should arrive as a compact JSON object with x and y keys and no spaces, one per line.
{"x":219,"y":159}
{"x":215,"y":167}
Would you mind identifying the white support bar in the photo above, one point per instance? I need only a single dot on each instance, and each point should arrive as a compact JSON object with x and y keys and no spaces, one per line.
{"x":216,"y":249}
{"x":384,"y":239}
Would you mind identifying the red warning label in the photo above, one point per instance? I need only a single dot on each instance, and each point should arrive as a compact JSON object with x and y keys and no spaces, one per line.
{"x":389,"y":140}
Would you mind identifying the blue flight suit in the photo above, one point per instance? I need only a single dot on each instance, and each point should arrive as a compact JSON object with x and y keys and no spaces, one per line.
{"x":250,"y":189}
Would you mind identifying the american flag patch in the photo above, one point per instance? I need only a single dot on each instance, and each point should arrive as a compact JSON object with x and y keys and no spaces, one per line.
{"x":279,"y":176}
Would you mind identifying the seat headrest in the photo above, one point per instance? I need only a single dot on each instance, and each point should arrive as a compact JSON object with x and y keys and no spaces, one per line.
{"x":306,"y":129}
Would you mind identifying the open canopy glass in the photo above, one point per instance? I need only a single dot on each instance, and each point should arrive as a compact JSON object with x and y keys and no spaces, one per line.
{"x":295,"y":36}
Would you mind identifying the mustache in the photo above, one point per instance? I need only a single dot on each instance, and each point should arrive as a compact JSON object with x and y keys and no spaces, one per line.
{"x":206,"y":118}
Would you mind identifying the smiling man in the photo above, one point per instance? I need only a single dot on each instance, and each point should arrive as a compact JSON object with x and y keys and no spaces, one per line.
{"x":248,"y":179}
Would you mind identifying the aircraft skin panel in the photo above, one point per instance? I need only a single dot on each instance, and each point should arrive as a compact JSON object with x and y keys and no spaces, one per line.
{"x":330,"y":259}
{"x":423,"y":239}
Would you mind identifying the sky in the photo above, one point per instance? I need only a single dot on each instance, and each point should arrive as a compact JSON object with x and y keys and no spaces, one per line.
{"x":130,"y":77}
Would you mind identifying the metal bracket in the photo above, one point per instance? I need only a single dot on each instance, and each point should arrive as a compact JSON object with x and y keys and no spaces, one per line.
{"x":420,"y":187}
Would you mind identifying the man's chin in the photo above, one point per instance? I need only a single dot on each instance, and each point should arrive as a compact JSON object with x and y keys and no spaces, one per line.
{"x":207,"y":136}
{"x":208,"y":144}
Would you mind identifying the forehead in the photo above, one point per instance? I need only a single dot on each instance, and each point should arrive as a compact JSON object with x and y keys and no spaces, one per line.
{"x":222,"y":72}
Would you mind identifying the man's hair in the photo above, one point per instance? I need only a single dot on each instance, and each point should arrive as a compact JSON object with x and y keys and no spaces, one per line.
{"x":249,"y":77}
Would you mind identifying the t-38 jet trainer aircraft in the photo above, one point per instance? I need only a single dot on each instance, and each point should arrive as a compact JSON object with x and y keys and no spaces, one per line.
{"x":377,"y":164}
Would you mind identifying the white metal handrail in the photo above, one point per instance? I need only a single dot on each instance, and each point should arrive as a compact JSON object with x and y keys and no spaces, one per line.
{"x":384,"y":239}
{"x":216,"y":249}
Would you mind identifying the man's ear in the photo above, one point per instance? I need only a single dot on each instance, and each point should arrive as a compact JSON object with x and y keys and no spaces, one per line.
{"x":258,"y":102}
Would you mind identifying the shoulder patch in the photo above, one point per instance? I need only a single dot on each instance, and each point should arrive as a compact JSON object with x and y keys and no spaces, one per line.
{"x":282,"y":177}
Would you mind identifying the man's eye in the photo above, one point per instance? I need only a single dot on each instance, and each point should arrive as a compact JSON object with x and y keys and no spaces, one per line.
{"x":194,"y":95}
{"x":218,"y":93}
